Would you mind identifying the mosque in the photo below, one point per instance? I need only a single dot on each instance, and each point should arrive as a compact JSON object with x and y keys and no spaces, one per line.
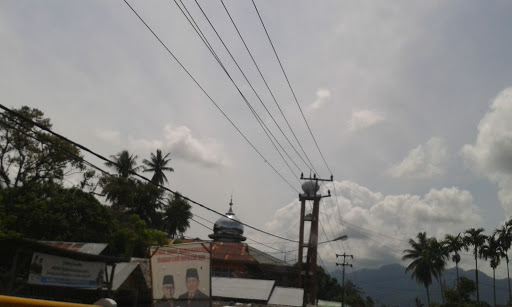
{"x":243,"y":273}
{"x":231,"y":257}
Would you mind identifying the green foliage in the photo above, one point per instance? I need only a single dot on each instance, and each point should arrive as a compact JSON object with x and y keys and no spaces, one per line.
{"x":124,"y":163}
{"x":48,"y":211}
{"x":133,"y":237}
{"x":328,"y":288}
{"x":52,"y":212}
{"x":158,"y":165}
{"x":28,"y":156}
{"x":428,"y":260}
{"x":176,"y":216}
{"x":132,"y":196}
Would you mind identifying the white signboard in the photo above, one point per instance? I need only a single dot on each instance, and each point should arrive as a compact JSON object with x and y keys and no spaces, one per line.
{"x":60,"y":271}
{"x":181,"y":275}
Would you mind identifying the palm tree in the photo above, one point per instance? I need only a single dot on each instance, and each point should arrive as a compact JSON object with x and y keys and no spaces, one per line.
{"x":427,"y":261}
{"x":492,"y":250}
{"x":505,"y":239}
{"x":439,"y":252}
{"x":454,"y":244}
{"x":123,"y":163}
{"x":475,"y":238}
{"x":157,"y":165}
{"x":177,"y":216}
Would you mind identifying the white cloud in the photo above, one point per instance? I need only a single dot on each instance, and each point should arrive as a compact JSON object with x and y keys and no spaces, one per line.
{"x":180,"y":142}
{"x":322,"y":97}
{"x":109,"y":136}
{"x":379,"y":225}
{"x":491,"y":155}
{"x":363,"y":119}
{"x":423,"y":161}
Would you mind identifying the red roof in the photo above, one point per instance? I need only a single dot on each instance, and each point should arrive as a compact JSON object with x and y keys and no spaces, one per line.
{"x":231,"y":252}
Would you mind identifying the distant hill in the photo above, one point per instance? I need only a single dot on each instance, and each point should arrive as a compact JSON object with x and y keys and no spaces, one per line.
{"x":390,"y":285}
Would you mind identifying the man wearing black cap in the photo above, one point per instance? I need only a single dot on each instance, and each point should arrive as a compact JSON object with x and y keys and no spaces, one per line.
{"x":193,"y":297}
{"x":168,"y":288}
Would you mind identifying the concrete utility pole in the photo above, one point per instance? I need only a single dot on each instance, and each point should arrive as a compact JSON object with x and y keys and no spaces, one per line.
{"x":344,"y":264}
{"x":307,"y":278}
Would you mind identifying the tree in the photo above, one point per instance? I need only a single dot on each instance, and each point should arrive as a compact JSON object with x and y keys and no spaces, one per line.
{"x":55,"y":213}
{"x":439,"y":252}
{"x":426,"y":260}
{"x":505,"y":239}
{"x":475,"y":238}
{"x":176,"y":216}
{"x":28,"y":155}
{"x":48,"y":211}
{"x":127,"y":194}
{"x":132,"y":196}
{"x":460,"y":296}
{"x":124,"y":163}
{"x":158,"y":165}
{"x":133,"y":236}
{"x":492,"y":250}
{"x":454,"y":245}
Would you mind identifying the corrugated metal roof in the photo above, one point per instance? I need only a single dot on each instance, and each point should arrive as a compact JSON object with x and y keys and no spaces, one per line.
{"x":121,"y":273}
{"x":286,"y":296}
{"x":265,"y":258}
{"x":241,"y":288}
{"x":93,"y":248}
{"x":322,"y":303}
{"x":87,"y":248}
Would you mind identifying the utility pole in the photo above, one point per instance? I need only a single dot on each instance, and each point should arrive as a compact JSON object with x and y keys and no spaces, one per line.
{"x":344,"y":264}
{"x":307,"y":278}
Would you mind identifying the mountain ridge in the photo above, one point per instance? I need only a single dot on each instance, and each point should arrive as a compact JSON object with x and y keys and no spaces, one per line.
{"x":390,"y":285}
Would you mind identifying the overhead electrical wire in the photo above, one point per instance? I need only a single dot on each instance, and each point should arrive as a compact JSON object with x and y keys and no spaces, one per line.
{"x":250,"y":85}
{"x":289,"y":84}
{"x":265,"y":128}
{"x":310,"y":166}
{"x":204,"y":91}
{"x":17,"y":114}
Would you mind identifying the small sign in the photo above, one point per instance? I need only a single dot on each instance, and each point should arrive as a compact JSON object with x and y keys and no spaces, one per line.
{"x":61,"y":271}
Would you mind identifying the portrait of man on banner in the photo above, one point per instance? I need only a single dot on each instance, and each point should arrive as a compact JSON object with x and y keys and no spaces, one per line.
{"x":180,"y":275}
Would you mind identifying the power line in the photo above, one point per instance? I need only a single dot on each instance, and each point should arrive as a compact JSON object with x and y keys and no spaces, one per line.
{"x":204,"y":91}
{"x":288,"y":81}
{"x":310,"y":166}
{"x":133,"y":173}
{"x":255,"y":114}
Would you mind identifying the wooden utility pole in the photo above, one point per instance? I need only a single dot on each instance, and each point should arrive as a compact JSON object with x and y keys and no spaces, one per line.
{"x":344,"y":264}
{"x":307,"y":273}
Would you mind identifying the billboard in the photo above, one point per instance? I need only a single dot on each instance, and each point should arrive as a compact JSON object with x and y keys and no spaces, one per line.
{"x":61,"y":271}
{"x":180,"y":275}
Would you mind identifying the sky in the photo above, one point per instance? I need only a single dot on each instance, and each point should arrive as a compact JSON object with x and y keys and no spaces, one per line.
{"x":409,"y":103}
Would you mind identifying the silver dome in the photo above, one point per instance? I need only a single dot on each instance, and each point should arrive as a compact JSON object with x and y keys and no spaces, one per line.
{"x":228,"y":228}
{"x":229,"y":224}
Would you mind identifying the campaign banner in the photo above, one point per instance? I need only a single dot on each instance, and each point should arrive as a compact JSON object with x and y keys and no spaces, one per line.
{"x":181,"y":275}
{"x":61,"y":271}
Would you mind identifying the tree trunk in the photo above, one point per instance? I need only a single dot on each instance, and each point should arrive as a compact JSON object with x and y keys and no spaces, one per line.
{"x":476,"y":276}
{"x":442,"y":287}
{"x":508,"y":279}
{"x":428,"y":297}
{"x":494,"y":284}
{"x":457,"y":270}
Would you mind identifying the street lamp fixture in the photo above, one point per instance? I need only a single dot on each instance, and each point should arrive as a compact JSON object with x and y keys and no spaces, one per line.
{"x":340,"y":238}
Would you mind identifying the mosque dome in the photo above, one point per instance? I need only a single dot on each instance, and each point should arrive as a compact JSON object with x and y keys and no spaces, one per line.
{"x":228,"y":228}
